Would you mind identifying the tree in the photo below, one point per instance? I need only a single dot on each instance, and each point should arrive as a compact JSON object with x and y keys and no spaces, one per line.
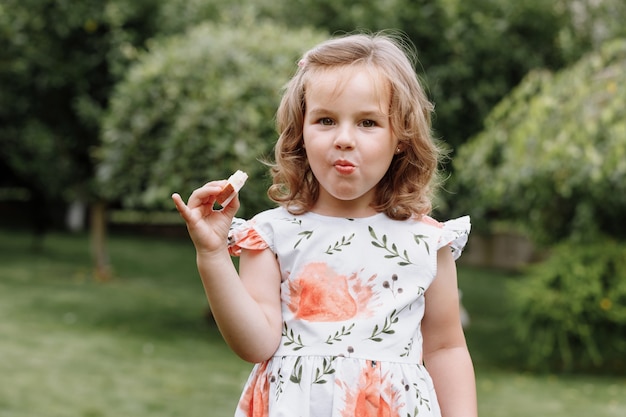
{"x":58,"y":63}
{"x":471,"y":53}
{"x":553,"y":155}
{"x":197,"y":107}
{"x":55,"y":76}
{"x":60,"y":60}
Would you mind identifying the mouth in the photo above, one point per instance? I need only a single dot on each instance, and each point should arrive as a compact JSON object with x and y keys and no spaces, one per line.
{"x":344,"y":167}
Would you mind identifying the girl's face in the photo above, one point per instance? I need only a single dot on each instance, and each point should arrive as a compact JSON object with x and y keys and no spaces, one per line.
{"x":348,"y":138}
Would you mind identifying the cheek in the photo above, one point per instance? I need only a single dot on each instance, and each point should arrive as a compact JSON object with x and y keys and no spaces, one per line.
{"x":310,"y":150}
{"x":313,"y":155}
{"x":313,"y":144}
{"x":382,"y":160}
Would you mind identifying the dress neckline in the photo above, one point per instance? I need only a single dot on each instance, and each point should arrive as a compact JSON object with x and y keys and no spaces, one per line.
{"x":356,"y":219}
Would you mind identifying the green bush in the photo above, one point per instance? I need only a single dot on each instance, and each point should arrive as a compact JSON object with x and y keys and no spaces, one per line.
{"x":58,"y":62}
{"x":569,"y":313}
{"x":553,"y":156}
{"x":196,"y":107}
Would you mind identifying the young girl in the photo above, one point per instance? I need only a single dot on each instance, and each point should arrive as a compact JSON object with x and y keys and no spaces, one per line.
{"x":346,"y":295}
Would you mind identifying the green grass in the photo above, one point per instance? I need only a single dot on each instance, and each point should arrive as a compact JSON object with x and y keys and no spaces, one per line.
{"x":136,"y":346}
{"x":140,"y":345}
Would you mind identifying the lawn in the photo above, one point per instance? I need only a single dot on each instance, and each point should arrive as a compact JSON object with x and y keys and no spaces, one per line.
{"x":140,"y":345}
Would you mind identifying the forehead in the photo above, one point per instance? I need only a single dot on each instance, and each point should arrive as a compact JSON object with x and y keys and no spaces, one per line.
{"x":333,"y":81}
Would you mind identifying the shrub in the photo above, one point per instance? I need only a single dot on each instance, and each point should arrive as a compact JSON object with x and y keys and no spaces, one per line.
{"x":196,"y":107}
{"x":553,"y":156}
{"x":569,"y":314}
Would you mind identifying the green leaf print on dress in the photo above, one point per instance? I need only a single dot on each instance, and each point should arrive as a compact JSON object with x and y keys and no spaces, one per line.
{"x":339,"y":334}
{"x":291,"y":338}
{"x":296,"y":373}
{"x":422,"y":239}
{"x":327,"y":369}
{"x":386,"y":328}
{"x":407,"y":349}
{"x":345,"y":241}
{"x":393,"y":250}
{"x":305,"y":235}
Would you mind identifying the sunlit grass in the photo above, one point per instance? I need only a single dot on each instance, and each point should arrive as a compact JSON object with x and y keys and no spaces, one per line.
{"x":140,"y":345}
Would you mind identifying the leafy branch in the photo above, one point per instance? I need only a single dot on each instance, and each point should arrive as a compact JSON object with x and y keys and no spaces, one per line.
{"x":291,"y":339}
{"x":296,"y":374}
{"x":305,"y":235}
{"x":339,"y":334}
{"x":338,"y":245}
{"x":326,"y":370}
{"x":393,"y":251}
{"x":279,"y":385}
{"x":420,"y":397}
{"x":386,"y":328}
{"x":407,"y":349}
{"x":422,"y":239}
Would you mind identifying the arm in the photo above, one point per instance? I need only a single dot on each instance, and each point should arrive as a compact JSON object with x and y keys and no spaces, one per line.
{"x":445,"y":352}
{"x":246,"y":306}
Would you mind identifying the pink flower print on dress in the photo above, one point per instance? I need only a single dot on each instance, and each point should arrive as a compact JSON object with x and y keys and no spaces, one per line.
{"x":245,"y":238}
{"x":318,"y":293}
{"x":374,"y":395}
{"x":255,"y":400}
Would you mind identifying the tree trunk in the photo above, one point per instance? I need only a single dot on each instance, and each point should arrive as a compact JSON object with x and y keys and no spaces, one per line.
{"x":99,"y":252}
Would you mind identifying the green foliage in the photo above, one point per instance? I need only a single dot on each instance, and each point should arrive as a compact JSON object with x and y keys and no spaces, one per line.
{"x":491,"y":45}
{"x":570,"y":313}
{"x":590,"y":24}
{"x":57,"y":64}
{"x":195,"y":108}
{"x":178,"y":16}
{"x":60,"y":60}
{"x":553,"y":155}
{"x":472,"y":53}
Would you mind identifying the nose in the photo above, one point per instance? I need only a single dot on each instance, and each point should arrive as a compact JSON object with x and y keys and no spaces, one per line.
{"x":344,"y":139}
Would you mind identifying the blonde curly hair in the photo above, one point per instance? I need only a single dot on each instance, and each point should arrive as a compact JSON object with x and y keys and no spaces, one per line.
{"x":406,"y":188}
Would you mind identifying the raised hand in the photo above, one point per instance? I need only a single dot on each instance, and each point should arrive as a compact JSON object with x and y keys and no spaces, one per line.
{"x":208,"y":227}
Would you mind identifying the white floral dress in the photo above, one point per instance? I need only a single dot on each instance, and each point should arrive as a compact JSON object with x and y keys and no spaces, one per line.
{"x":352,"y":297}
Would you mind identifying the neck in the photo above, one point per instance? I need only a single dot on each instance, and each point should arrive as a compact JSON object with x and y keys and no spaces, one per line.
{"x":344,"y":209}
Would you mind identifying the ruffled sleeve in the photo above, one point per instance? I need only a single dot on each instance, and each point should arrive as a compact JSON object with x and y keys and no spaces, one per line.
{"x":243,"y":235}
{"x":454,"y":233}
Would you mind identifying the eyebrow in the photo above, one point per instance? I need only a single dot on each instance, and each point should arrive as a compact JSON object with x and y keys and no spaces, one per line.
{"x":320,"y":111}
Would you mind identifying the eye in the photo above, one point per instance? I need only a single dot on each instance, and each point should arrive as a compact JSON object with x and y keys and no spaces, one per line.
{"x":325,"y":121}
{"x":368,"y":123}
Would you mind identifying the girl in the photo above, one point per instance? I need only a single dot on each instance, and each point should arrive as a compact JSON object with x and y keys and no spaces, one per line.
{"x":346,"y":295}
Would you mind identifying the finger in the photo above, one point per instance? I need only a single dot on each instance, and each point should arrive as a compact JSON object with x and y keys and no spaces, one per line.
{"x":205,"y":195}
{"x":231,"y":208}
{"x":180,"y":206}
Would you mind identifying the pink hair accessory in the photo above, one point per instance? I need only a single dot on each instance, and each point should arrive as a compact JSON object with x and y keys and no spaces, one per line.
{"x":301,"y":63}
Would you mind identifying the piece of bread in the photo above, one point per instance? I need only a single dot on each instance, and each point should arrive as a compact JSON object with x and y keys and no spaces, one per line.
{"x":235,"y":182}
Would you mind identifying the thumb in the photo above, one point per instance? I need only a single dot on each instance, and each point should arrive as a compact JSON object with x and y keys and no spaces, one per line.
{"x":232,"y":207}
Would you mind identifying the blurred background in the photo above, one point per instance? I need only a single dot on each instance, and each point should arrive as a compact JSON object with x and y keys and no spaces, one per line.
{"x":109,"y":106}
